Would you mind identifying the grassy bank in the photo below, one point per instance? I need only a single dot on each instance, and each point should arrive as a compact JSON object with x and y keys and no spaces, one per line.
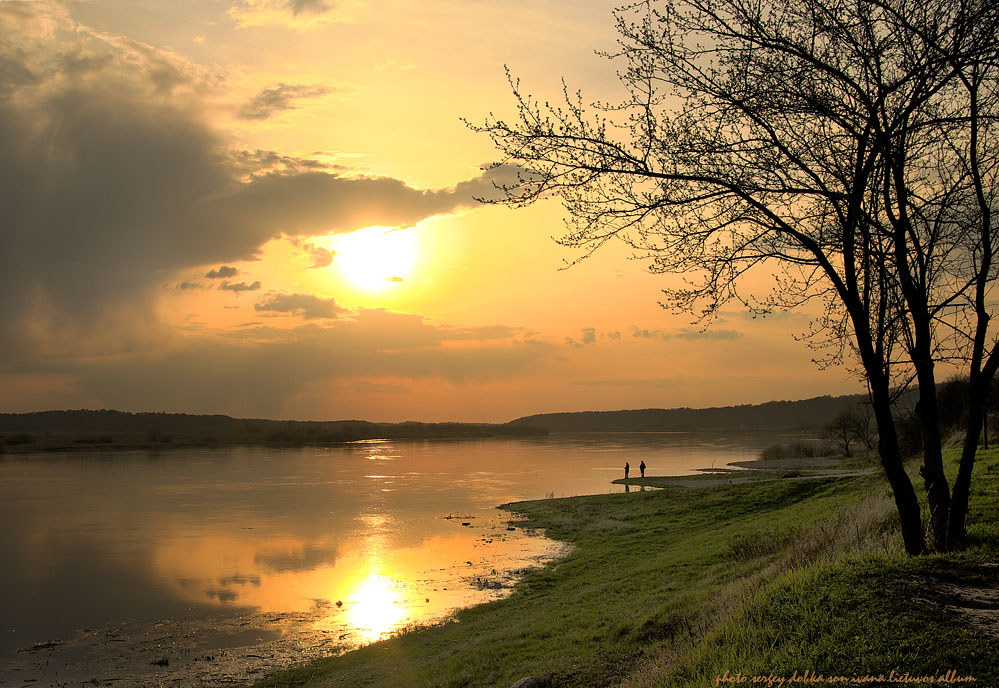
{"x":675,"y":587}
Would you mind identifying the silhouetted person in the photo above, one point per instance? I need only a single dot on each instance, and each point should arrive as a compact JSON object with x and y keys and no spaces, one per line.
{"x":641,"y":467}
{"x":626,"y":469}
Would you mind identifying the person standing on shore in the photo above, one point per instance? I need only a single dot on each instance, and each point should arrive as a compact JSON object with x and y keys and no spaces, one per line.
{"x":626,"y":469}
{"x":641,"y":467}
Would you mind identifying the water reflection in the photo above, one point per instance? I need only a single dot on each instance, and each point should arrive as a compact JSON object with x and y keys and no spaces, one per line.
{"x":364,"y":585}
{"x":374,"y":607}
{"x":93,"y":539}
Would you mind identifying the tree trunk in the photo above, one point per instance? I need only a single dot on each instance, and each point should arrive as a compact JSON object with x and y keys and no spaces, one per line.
{"x":934,"y":479}
{"x":901,"y":487}
{"x":956,"y":533}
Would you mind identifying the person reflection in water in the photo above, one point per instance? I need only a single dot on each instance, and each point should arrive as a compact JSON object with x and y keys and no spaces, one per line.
{"x":627,"y":468}
{"x":641,"y":467}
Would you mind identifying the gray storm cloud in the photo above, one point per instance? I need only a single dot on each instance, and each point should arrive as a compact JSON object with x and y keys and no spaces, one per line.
{"x":224,"y":271}
{"x":112,"y":180}
{"x":308,"y":306}
{"x":277,"y":99}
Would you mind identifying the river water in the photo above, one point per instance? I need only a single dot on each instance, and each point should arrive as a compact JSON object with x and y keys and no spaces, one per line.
{"x":117,"y":563}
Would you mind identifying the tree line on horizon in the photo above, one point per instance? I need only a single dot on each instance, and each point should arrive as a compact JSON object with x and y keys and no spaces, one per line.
{"x":81,"y":428}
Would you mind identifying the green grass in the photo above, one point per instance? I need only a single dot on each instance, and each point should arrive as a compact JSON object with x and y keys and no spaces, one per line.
{"x":673,"y":587}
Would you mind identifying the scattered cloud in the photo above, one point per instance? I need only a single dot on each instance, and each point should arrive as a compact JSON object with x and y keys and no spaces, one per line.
{"x":308,"y":306}
{"x":222,"y":272}
{"x":589,"y":336}
{"x":309,"y":6}
{"x":185,"y":285}
{"x":714,"y":334}
{"x":641,"y":333}
{"x":319,"y":256}
{"x":686,"y":333}
{"x":277,"y":99}
{"x":301,"y":15}
{"x":239,"y":286}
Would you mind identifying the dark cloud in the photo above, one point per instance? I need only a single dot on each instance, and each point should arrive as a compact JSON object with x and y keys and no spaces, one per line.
{"x":298,"y":14}
{"x":190,"y":285}
{"x":305,"y":305}
{"x":111,"y":178}
{"x":224,"y":271}
{"x":313,"y":6}
{"x":589,"y":335}
{"x":272,"y":101}
{"x":239,"y":286}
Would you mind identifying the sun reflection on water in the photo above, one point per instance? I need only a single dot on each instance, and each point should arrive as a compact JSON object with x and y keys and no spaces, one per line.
{"x":359,"y":586}
{"x":375,"y":607}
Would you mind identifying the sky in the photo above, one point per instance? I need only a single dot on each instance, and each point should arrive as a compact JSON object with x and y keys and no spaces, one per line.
{"x":269,"y":208}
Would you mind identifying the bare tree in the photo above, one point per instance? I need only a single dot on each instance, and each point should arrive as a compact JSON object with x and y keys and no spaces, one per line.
{"x":850,"y":427}
{"x":845,"y":145}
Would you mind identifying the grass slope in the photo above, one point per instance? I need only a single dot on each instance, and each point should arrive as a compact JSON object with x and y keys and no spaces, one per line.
{"x":675,"y":587}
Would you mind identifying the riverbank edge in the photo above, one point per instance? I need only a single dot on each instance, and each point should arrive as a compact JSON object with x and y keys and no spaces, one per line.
{"x":771,"y":576}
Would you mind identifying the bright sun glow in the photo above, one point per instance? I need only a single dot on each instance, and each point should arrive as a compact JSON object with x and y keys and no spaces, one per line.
{"x":375,"y":608}
{"x":376,"y":258}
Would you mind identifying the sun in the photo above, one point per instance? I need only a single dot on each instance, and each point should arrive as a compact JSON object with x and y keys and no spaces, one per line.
{"x":376,"y":258}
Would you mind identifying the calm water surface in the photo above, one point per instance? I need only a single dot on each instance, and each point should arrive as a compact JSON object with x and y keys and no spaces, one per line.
{"x":96,"y":539}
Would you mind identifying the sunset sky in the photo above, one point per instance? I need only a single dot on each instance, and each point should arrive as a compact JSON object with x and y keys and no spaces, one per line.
{"x":266,"y":208}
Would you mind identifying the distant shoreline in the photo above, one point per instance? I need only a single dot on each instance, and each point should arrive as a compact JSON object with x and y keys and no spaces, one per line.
{"x":85,"y":431}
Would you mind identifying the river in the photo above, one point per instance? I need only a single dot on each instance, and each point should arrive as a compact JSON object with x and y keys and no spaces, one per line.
{"x":124,"y":568}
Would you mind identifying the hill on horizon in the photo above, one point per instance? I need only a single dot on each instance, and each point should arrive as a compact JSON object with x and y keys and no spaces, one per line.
{"x":60,"y":430}
{"x":806,"y":414}
{"x":44,"y":430}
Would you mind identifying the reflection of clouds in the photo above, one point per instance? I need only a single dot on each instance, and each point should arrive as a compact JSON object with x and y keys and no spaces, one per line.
{"x":302,"y":559}
{"x":222,"y":595}
{"x":363,"y":585}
